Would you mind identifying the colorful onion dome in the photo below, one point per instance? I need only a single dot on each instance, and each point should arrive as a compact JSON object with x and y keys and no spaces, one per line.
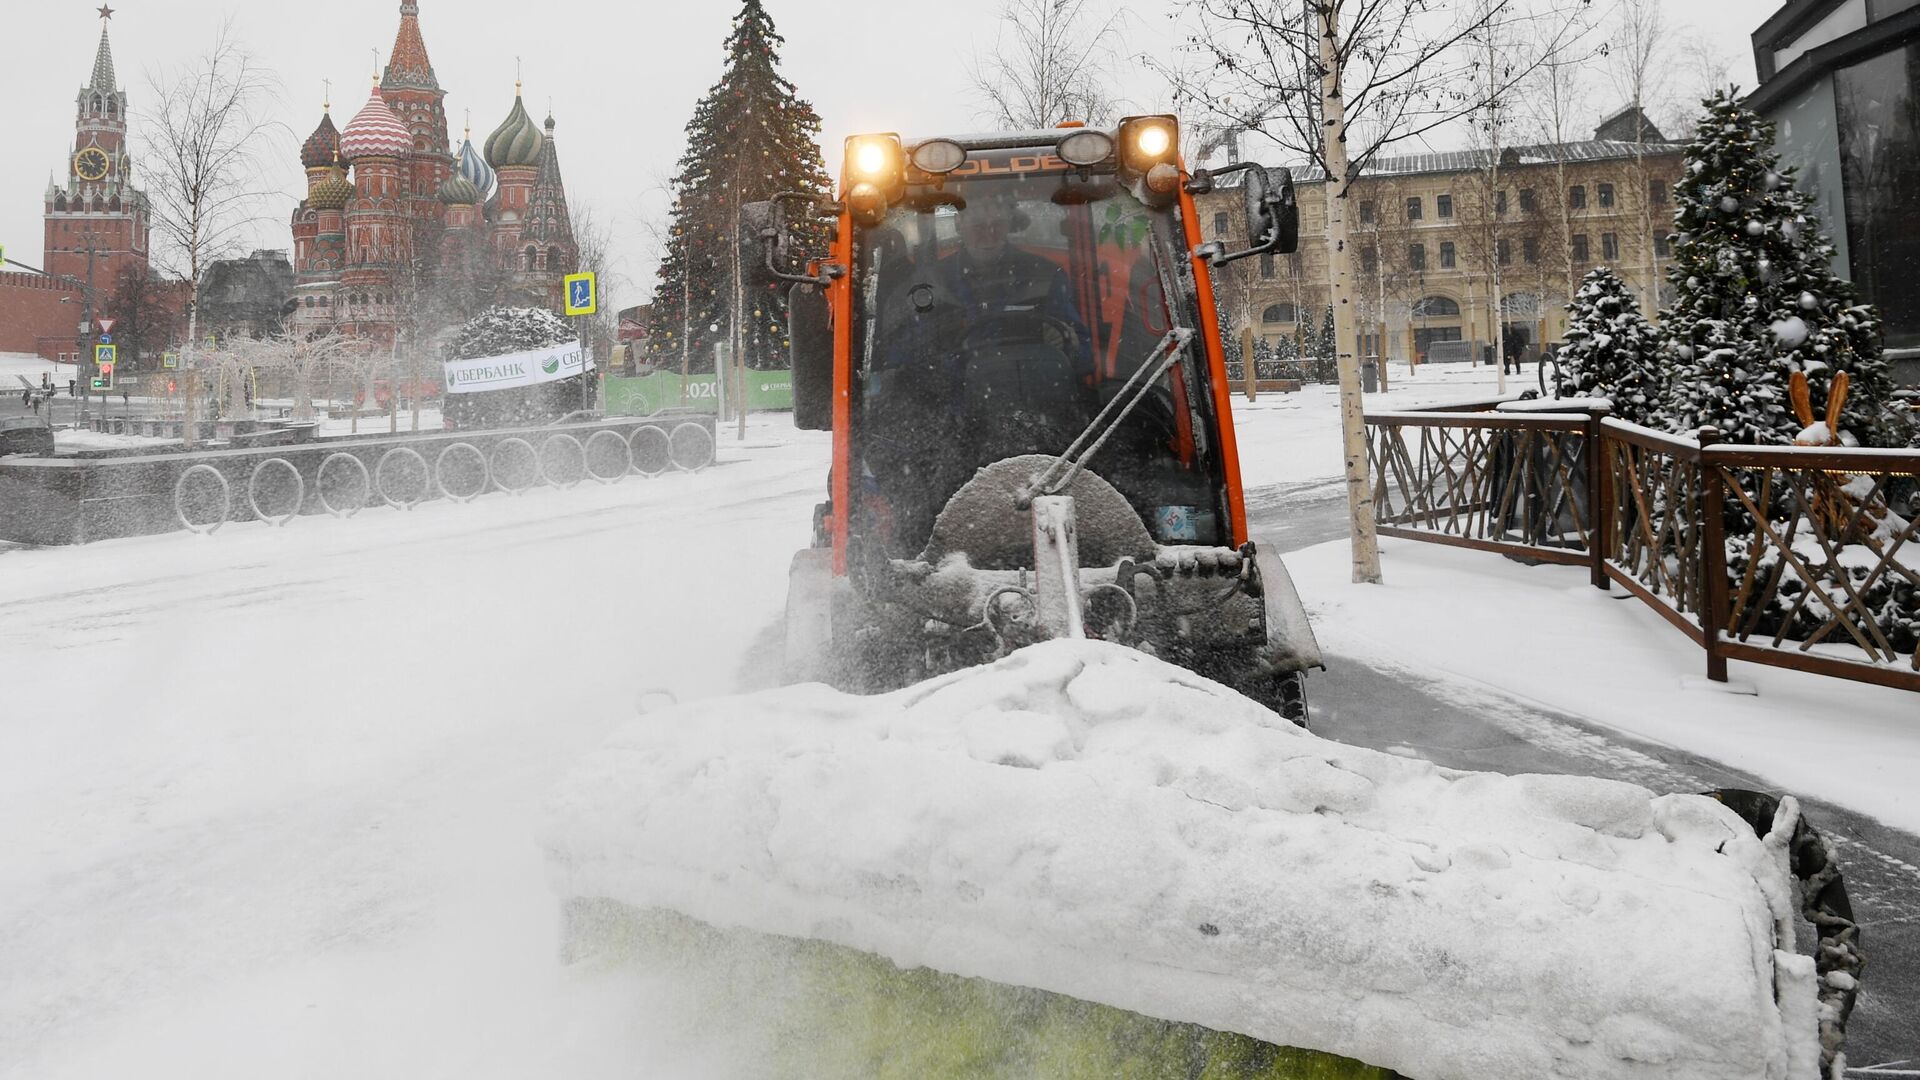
{"x":375,"y":132}
{"x":474,"y":167}
{"x":322,"y":148}
{"x":331,"y":193}
{"x":516,"y":141}
{"x":459,"y":191}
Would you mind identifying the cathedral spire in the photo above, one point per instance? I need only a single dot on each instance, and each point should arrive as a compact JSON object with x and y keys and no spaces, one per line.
{"x":103,"y":74}
{"x":408,"y":65}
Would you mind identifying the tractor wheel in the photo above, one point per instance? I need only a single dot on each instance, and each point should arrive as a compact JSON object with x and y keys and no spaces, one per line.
{"x":1290,"y":696}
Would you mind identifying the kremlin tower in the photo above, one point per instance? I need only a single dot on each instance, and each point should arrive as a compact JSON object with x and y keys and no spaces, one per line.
{"x":420,"y":232}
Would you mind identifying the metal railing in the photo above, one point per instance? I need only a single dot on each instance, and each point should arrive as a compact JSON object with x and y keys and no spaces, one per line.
{"x":1795,"y":557}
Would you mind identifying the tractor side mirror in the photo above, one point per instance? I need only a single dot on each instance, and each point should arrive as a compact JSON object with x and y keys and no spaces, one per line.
{"x":767,"y":222}
{"x":1273,"y":214}
{"x":810,"y":334}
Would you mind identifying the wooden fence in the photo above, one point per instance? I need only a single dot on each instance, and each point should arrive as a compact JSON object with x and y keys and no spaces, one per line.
{"x":1803,"y":558}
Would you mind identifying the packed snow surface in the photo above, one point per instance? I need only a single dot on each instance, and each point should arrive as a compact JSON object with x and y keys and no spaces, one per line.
{"x":1088,"y":820}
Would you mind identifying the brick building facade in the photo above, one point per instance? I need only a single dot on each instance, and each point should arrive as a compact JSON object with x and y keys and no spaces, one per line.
{"x":1432,"y":231}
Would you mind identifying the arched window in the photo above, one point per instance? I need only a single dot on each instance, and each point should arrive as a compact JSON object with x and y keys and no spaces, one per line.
{"x":99,"y":204}
{"x":113,"y":204}
{"x":1277,"y":313}
{"x":1436,"y":307}
{"x":60,"y":204}
{"x":528,"y":264}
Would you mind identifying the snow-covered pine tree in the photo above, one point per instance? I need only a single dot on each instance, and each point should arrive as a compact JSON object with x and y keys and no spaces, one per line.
{"x":1756,"y":297}
{"x":751,"y":137}
{"x":1610,"y":349}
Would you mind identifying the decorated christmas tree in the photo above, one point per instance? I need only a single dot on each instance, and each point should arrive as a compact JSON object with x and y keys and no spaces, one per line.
{"x":1756,"y":296}
{"x":750,"y":138}
{"x":1610,"y":349}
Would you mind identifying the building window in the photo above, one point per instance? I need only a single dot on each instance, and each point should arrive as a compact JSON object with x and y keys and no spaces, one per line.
{"x":1369,"y":259}
{"x":1500,"y":202}
{"x":1580,"y":247}
{"x":1660,"y":246}
{"x":1277,"y":313}
{"x":1503,"y":250}
{"x":1446,"y":254}
{"x":1266,"y":266}
{"x":1413,"y":208}
{"x":1526,"y":200}
{"x":1219,"y":226}
{"x":1436,"y":307}
{"x":1443,"y":206}
{"x":1577,"y":197}
{"x":1606,"y":196}
{"x":1609,"y":247}
{"x":1530,"y":249}
{"x":1657,"y":192}
{"x":1417,"y":256}
{"x":1366,"y":212}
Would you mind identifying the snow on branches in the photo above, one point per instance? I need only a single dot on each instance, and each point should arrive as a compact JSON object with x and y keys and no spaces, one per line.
{"x":1756,"y":298}
{"x":502,"y":330}
{"x":1610,"y":350}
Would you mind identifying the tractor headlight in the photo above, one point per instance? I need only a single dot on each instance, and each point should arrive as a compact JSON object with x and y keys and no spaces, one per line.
{"x":1146,"y":141}
{"x":876,"y":175}
{"x":939,"y":156}
{"x":1085,"y":147}
{"x":875,"y":159}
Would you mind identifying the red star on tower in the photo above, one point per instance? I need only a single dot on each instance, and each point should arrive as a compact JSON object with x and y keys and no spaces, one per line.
{"x":106,"y":12}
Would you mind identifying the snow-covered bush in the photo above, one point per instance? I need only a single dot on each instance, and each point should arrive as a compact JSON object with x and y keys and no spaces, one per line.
{"x":1610,"y":350}
{"x":502,"y":330}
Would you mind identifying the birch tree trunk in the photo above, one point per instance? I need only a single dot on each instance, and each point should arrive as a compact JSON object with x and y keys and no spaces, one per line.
{"x":1353,"y":431}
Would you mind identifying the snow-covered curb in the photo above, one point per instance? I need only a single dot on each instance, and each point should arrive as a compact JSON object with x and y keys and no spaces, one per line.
{"x":1544,"y":634}
{"x":1088,"y":820}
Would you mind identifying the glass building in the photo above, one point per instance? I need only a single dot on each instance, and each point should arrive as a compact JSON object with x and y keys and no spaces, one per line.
{"x":1838,"y":79}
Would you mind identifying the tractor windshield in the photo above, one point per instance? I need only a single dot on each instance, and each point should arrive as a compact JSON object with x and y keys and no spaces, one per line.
{"x":997,"y":316}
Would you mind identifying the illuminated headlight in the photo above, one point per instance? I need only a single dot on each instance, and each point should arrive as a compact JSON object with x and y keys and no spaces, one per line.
{"x":1085,"y":148}
{"x":875,"y":158}
{"x":939,"y":156}
{"x":1146,"y":141}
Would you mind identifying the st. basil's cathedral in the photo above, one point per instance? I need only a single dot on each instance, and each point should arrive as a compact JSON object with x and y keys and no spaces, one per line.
{"x":396,"y":224}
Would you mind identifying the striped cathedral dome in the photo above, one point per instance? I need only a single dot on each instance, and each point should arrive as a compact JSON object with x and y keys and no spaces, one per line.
{"x":474,"y":168}
{"x":516,"y":141}
{"x":375,"y":132}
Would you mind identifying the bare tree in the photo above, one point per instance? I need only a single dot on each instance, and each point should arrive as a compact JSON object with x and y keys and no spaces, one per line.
{"x":1051,"y":61}
{"x":292,"y":363}
{"x":210,"y":123}
{"x":595,"y":240}
{"x":1638,"y":62}
{"x":1313,"y":74}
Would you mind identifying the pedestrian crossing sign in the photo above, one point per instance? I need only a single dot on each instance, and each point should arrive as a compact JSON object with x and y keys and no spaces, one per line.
{"x":170,"y":361}
{"x":583,"y":294}
{"x":105,"y":355}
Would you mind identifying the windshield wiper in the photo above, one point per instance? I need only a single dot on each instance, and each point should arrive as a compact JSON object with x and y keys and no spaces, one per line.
{"x":1060,"y":473}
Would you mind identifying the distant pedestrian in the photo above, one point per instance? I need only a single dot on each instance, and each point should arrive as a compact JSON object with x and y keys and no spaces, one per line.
{"x":73,"y":387}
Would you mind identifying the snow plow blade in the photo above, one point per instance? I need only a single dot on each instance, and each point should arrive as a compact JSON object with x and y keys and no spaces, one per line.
{"x":1125,"y":848}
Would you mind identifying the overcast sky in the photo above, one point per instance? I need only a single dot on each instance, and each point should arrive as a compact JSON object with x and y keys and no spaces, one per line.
{"x":622,"y":79}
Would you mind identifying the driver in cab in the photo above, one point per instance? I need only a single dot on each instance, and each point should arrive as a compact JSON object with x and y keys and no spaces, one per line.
{"x":978,"y":351}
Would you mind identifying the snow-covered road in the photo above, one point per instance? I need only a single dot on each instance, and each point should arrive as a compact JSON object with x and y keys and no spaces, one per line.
{"x":269,"y":797}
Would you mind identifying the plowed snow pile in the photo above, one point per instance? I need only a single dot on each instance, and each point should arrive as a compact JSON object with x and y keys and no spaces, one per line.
{"x":1088,"y":820}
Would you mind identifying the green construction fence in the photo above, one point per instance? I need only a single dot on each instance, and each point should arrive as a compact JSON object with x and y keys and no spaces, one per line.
{"x":644,"y":395}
